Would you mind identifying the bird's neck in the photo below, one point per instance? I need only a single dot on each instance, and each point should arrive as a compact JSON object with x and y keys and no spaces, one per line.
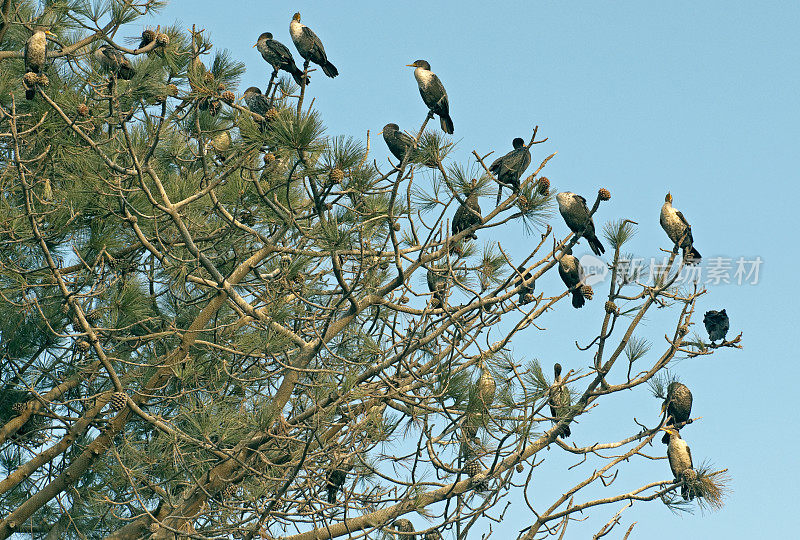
{"x":423,"y":76}
{"x":295,"y":29}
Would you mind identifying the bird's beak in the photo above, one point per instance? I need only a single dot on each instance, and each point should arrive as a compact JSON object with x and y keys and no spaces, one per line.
{"x":663,"y":407}
{"x":49,"y":33}
{"x":254,"y":45}
{"x":410,"y":65}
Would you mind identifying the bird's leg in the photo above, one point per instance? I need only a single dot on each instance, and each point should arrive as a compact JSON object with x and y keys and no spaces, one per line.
{"x":271,"y":81}
{"x":302,"y":88}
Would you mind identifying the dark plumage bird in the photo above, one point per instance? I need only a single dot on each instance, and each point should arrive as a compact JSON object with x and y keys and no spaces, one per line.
{"x":256,"y":101}
{"x":527,"y":285}
{"x":309,"y":46}
{"x":509,"y":168}
{"x":114,"y":62}
{"x":433,"y":93}
{"x":717,"y":324}
{"x":571,"y":272}
{"x":404,"y":525}
{"x":678,"y":405}
{"x":398,"y":142}
{"x":679,"y":230}
{"x":576,"y":214}
{"x":680,"y":461}
{"x":278,"y":56}
{"x":468,"y":214}
{"x":36,"y":55}
{"x":437,"y":284}
{"x":334,"y":481}
{"x":559,"y":399}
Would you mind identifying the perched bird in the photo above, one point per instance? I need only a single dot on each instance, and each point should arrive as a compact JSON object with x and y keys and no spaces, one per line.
{"x":256,"y":101}
{"x":576,"y":214}
{"x":525,"y":280}
{"x":310,"y":47}
{"x":571,"y":272}
{"x":398,"y":142}
{"x":468,"y":214}
{"x":437,"y":284}
{"x":404,"y":525}
{"x":278,"y":56}
{"x":433,"y":93}
{"x":717,"y":324}
{"x":559,"y":399}
{"x":36,"y":55}
{"x":335,"y":479}
{"x":678,"y":405}
{"x":114,"y":62}
{"x":679,"y":230}
{"x":509,"y":168}
{"x":680,"y":461}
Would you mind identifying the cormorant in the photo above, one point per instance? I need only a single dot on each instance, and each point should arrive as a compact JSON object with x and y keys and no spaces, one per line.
{"x":468,"y":214}
{"x":678,"y":405}
{"x":279,"y":57}
{"x":559,"y":399}
{"x":310,"y":47}
{"x":576,"y":214}
{"x":527,"y":285}
{"x":437,"y":284}
{"x":256,"y":101}
{"x":398,"y":142}
{"x":717,"y":324}
{"x":571,"y":272}
{"x":404,"y":525}
{"x":433,"y":93}
{"x":509,"y":168}
{"x":115,"y":62}
{"x":36,"y":55}
{"x":335,"y":480}
{"x":680,"y":460}
{"x":679,"y":230}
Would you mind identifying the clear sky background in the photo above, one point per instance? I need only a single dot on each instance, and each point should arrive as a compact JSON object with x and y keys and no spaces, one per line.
{"x":696,"y":98}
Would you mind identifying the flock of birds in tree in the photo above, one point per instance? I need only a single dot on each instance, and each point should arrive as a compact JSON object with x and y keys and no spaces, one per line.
{"x":507,"y":169}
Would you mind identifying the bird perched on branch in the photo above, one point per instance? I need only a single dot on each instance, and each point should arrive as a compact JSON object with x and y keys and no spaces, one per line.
{"x":576,"y":214}
{"x":437,"y":284}
{"x":433,"y":93}
{"x":679,"y":230}
{"x":571,"y":272}
{"x":678,"y":405}
{"x":509,"y":168}
{"x":680,"y":461}
{"x":404,"y":525}
{"x":36,"y":55}
{"x":559,"y":399}
{"x":256,"y":101}
{"x":527,"y":285}
{"x":399,"y":143}
{"x":115,"y":62}
{"x":278,"y":56}
{"x":717,"y":324}
{"x":336,"y":477}
{"x":468,"y":214}
{"x":310,"y":47}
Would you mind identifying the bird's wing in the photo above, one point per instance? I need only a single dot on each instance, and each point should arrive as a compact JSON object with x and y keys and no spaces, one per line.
{"x":437,"y":85}
{"x":582,"y":202}
{"x":405,"y":139}
{"x":683,"y":219}
{"x":281,"y":50}
{"x":312,"y":38}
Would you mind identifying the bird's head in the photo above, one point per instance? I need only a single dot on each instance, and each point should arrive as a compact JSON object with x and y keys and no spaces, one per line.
{"x":252,"y":90}
{"x":518,"y":143}
{"x":564,"y":198}
{"x":672,"y":432}
{"x":420,"y":64}
{"x":296,"y":17}
{"x":557,"y":370}
{"x":262,"y":38}
{"x":389,"y":128}
{"x":668,"y":198}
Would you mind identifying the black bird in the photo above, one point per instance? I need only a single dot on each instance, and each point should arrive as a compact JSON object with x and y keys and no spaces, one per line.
{"x":509,"y":168}
{"x":717,"y":324}
{"x":527,"y":285}
{"x":468,"y":214}
{"x":278,"y":56}
{"x":36,"y":55}
{"x":571,"y":272}
{"x":576,"y":214}
{"x":680,"y":461}
{"x":256,"y":101}
{"x":433,"y":93}
{"x":437,"y":284}
{"x":559,"y":400}
{"x":335,"y":479}
{"x":398,"y":142}
{"x":115,"y":62}
{"x":678,"y":405}
{"x":310,"y":47}
{"x":678,"y":230}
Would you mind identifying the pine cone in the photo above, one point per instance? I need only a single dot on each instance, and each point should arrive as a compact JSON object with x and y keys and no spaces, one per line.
{"x":587,"y":292}
{"x":208,"y":77}
{"x":221,"y":88}
{"x":471,"y":468}
{"x":172,"y":90}
{"x":147,"y":37}
{"x":396,"y":226}
{"x":42,"y":80}
{"x":520,"y":467}
{"x":118,"y":400}
{"x":271,"y":115}
{"x":214,"y":107}
{"x":544,"y":185}
{"x":30,"y":78}
{"x":486,"y":388}
{"x":161,"y":39}
{"x":18,"y":407}
{"x":269,"y":157}
{"x":433,"y":535}
{"x":83,"y":110}
{"x":604,"y":194}
{"x":83,"y":345}
{"x":611,"y":307}
{"x":336,"y":175}
{"x":228,"y":97}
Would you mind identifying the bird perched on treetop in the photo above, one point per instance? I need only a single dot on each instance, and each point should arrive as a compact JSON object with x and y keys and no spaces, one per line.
{"x":717,"y":324}
{"x":576,"y":214}
{"x":571,"y":272}
{"x":678,"y":230}
{"x":36,"y":55}
{"x":433,"y":93}
{"x":115,"y":62}
{"x":468,"y":214}
{"x":509,"y":168}
{"x":398,"y":142}
{"x":559,"y":399}
{"x":678,"y":405}
{"x":256,"y":101}
{"x":310,"y":47}
{"x":680,"y":461}
{"x":279,"y":57}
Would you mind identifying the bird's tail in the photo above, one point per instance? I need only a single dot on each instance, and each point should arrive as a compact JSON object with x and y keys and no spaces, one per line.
{"x":566,"y":432}
{"x":297,"y":75}
{"x":330,"y":70}
{"x":691,"y":255}
{"x":126,"y":73}
{"x":447,"y":124}
{"x":30,"y":93}
{"x":499,"y":194}
{"x":577,"y":298}
{"x":332,"y":493}
{"x":596,"y":246}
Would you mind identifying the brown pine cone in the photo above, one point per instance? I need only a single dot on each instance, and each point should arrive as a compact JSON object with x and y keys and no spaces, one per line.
{"x":396,"y":226}
{"x":336,"y":175}
{"x":83,"y":110}
{"x":611,"y":307}
{"x":604,"y":194}
{"x":172,"y":90}
{"x":214,"y":107}
{"x":544,"y":185}
{"x":520,"y":467}
{"x":42,"y":80}
{"x":30,"y":78}
{"x":83,"y":345}
{"x":228,"y":97}
{"x":271,"y":115}
{"x":18,"y":407}
{"x":147,"y":37}
{"x":587,"y":292}
{"x":161,"y":39}
{"x":471,"y":468}
{"x":269,"y":157}
{"x":118,"y":400}
{"x":683,"y":330}
{"x":433,"y":535}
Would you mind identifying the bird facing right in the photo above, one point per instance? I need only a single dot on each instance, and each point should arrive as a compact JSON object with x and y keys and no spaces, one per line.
{"x":717,"y":324}
{"x":678,"y":230}
{"x":509,"y":168}
{"x":115,"y":62}
{"x":576,"y":215}
{"x":433,"y":93}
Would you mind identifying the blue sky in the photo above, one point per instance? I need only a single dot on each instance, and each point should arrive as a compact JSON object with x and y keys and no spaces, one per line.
{"x":696,"y":98}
